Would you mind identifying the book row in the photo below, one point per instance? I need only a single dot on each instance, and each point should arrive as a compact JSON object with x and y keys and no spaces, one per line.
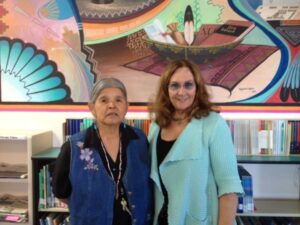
{"x":250,"y":137}
{"x":46,"y":196}
{"x":72,"y":126}
{"x":270,"y":137}
{"x":47,"y":199}
{"x":54,"y":218}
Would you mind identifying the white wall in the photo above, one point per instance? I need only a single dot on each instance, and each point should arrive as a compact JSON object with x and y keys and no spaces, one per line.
{"x":269,"y":180}
{"x":275,"y":180}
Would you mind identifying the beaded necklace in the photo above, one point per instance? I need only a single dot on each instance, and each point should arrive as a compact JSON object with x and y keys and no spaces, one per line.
{"x":117,"y":182}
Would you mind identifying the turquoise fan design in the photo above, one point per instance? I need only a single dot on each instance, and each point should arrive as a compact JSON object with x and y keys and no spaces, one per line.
{"x":56,"y":10}
{"x":28,"y":76}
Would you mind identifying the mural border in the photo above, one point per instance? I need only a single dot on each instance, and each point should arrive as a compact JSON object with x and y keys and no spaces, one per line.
{"x":136,"y":108}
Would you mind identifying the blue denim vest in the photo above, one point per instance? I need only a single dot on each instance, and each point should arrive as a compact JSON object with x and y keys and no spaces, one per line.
{"x":93,"y":190}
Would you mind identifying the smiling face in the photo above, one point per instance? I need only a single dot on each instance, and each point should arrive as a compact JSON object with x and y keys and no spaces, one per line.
{"x":182,"y":90}
{"x":110,"y":107}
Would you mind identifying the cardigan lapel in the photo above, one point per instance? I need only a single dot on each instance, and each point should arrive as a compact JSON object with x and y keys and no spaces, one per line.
{"x":152,"y":137}
{"x":187,"y":146}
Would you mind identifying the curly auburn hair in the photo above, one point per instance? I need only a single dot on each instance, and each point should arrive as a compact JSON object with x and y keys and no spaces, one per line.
{"x":162,"y":109}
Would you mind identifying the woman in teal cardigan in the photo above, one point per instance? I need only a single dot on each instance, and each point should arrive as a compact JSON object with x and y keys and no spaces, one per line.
{"x":194,"y":166}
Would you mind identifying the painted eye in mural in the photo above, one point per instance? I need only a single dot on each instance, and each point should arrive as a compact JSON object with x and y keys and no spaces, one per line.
{"x":28,"y":76}
{"x":56,"y":10}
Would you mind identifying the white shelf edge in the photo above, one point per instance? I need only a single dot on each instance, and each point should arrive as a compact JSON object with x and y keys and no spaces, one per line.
{"x":13,"y":180}
{"x":56,"y":209}
{"x":275,"y":208}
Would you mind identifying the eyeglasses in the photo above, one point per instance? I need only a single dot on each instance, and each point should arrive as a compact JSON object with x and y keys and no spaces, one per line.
{"x":175,"y":86}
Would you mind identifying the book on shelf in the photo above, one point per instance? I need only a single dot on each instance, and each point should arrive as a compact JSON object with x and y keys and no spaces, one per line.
{"x":239,"y":220}
{"x":265,"y":137}
{"x":287,"y":220}
{"x":73,"y":126}
{"x":54,"y":218}
{"x":46,"y":196}
{"x":51,"y":217}
{"x":246,"y":221}
{"x":245,"y":136}
{"x":42,"y":220}
{"x":143,"y":124}
{"x":42,"y":200}
{"x":246,"y":201}
{"x":294,"y":126}
{"x":254,"y":220}
{"x":230,"y":31}
{"x":267,"y":220}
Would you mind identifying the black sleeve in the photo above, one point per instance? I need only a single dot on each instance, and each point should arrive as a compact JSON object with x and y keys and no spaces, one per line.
{"x":60,"y":182}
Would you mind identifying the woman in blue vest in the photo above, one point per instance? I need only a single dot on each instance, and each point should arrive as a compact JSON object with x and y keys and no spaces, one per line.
{"x":194,"y":166}
{"x":102,"y":173}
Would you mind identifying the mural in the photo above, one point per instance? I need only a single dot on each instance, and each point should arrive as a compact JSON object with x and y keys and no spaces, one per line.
{"x":51,"y":52}
{"x":42,"y":56}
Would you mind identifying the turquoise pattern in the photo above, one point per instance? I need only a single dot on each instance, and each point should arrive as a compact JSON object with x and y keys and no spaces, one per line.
{"x":27,"y":75}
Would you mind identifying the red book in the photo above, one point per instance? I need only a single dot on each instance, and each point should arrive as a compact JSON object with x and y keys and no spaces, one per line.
{"x":231,"y":31}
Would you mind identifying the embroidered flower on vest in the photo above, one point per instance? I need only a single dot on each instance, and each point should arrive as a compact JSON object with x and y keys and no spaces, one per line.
{"x":86,"y":155}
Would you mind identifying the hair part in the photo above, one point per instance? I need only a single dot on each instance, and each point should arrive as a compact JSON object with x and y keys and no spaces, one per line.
{"x":104,"y":83}
{"x":162,"y":109}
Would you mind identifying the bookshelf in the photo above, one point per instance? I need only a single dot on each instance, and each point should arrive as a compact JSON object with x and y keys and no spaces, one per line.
{"x":265,"y":206}
{"x":16,"y":148}
{"x":272,"y":207}
{"x":47,"y":157}
{"x":269,"y":147}
{"x":38,"y":161}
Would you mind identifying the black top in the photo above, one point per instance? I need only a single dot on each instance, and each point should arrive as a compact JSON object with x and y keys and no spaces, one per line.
{"x":163,"y":148}
{"x":61,"y":183}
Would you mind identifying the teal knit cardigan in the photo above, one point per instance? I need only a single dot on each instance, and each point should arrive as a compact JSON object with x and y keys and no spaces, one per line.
{"x":200,"y":167}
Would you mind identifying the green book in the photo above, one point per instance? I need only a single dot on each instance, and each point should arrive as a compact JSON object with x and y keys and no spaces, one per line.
{"x":42,"y":204}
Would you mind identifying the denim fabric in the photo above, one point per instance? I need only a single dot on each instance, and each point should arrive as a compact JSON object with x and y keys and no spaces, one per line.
{"x":93,"y":190}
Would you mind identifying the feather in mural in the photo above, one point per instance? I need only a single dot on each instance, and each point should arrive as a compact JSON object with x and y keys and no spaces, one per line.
{"x":291,"y":83}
